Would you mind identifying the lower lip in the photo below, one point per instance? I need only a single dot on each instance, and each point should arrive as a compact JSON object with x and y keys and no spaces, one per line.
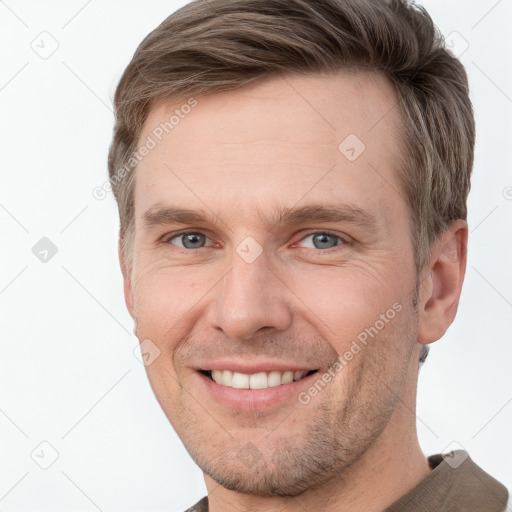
{"x":251,"y":399}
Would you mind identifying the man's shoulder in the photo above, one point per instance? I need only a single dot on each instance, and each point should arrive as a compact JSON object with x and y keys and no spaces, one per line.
{"x":456,"y":483}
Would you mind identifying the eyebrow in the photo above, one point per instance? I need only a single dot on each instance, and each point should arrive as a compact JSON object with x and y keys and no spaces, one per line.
{"x":282,"y":217}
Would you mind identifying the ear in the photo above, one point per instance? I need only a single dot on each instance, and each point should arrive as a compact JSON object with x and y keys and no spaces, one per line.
{"x":441,"y":282}
{"x":128,"y":291}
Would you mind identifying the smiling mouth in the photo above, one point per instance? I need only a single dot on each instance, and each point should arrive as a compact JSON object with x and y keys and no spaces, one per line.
{"x":260,"y":380}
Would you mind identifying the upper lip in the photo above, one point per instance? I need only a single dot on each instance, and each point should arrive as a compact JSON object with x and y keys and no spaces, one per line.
{"x":253,"y":367}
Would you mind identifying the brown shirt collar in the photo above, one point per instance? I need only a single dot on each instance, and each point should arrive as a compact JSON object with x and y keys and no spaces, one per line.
{"x":455,"y":484}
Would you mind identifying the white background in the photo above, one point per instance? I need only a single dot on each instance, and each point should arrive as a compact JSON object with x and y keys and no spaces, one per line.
{"x":68,"y":375}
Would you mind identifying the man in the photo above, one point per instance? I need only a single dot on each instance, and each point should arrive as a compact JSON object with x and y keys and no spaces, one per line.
{"x":292,"y":180}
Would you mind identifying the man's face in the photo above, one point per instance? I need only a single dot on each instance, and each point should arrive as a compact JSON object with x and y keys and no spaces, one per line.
{"x":248,"y":291}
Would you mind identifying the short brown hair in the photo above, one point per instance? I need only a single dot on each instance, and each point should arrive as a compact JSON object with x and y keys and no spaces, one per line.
{"x":210,"y":46}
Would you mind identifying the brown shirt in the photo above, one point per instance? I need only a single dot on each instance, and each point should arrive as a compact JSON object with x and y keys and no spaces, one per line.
{"x":455,"y":484}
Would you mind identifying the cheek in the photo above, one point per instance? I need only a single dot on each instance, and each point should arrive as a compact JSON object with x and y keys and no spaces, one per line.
{"x":163,"y":289}
{"x":164,"y":301}
{"x":344,"y":303}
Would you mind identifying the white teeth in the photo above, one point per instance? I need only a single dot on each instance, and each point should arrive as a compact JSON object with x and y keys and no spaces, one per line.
{"x":274,"y":379}
{"x":240,"y":381}
{"x":227,"y":378}
{"x":287,"y":378}
{"x":259,"y":380}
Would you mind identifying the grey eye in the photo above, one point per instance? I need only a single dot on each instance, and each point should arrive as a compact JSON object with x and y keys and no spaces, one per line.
{"x":323,"y":240}
{"x":191,"y":240}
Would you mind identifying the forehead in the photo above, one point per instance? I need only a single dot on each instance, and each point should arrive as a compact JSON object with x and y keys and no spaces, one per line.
{"x":277,"y":142}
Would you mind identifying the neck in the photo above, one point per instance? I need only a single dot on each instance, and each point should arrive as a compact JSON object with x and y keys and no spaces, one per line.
{"x":391,"y":467}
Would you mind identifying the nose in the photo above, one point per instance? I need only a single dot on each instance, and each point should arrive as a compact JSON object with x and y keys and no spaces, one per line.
{"x":251,"y":300}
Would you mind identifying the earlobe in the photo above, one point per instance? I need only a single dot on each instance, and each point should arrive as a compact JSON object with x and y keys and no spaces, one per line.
{"x":127,"y":283}
{"x":442,"y":283}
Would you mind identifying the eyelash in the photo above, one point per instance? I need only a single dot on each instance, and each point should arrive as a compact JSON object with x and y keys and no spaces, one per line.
{"x":344,"y":242}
